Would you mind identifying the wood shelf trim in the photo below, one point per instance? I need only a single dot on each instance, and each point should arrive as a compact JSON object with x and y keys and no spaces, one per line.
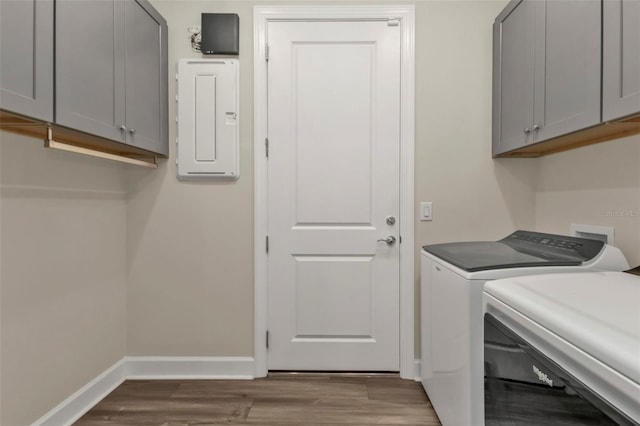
{"x":601,"y":133}
{"x":49,"y":143}
{"x":62,"y":138}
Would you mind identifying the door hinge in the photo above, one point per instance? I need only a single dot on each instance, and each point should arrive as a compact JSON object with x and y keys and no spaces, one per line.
{"x":400,"y":239}
{"x":266,"y":147}
{"x":266,"y":52}
{"x":393,"y":22}
{"x":267,"y":339}
{"x":267,"y":244}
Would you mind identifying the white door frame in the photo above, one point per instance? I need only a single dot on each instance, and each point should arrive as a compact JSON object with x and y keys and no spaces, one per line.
{"x":406,"y":15}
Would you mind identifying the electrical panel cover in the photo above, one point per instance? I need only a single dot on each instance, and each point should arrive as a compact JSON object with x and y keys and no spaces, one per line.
{"x":208,"y":106}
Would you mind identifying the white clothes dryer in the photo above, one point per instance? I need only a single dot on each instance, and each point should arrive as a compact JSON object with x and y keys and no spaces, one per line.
{"x":563,"y":349}
{"x":452,"y":281}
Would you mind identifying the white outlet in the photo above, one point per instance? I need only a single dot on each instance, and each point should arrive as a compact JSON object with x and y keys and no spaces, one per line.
{"x":601,"y":233}
{"x":426,"y":210}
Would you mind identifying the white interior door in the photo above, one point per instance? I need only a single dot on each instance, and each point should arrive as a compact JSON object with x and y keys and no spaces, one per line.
{"x":333,"y":180}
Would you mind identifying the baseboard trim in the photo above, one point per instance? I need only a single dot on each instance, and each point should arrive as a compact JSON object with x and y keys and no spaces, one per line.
{"x":166,"y":368}
{"x":417,"y":370}
{"x":72,"y":408}
{"x":147,"y":368}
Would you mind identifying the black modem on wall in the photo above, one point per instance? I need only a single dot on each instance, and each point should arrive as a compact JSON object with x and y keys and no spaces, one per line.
{"x":220,"y":33}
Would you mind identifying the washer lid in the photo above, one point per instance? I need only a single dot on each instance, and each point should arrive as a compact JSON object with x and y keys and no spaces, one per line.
{"x":598,"y":312}
{"x":520,"y":249}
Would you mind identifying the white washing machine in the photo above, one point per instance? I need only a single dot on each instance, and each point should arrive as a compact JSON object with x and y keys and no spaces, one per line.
{"x":563,"y":349}
{"x":452,"y":281}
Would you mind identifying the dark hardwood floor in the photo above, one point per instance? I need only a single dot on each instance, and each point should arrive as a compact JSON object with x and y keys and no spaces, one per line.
{"x":280,"y":399}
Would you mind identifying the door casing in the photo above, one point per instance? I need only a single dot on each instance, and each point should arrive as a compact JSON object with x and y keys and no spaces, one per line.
{"x":405,"y":14}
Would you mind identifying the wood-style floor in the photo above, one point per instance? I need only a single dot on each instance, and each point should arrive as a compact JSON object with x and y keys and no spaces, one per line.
{"x":281,"y":399}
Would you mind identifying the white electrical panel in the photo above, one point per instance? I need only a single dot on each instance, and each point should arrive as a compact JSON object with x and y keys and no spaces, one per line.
{"x":208,"y":106}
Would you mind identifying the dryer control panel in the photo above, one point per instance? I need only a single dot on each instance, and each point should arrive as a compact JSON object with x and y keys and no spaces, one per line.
{"x":537,"y":243}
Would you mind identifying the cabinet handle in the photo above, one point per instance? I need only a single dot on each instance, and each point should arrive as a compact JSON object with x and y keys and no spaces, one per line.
{"x":536,"y":127}
{"x":132,"y":131}
{"x":123,"y":128}
{"x":527,"y":131}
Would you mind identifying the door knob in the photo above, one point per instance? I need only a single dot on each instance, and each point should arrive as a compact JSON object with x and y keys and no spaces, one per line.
{"x":390,"y":240}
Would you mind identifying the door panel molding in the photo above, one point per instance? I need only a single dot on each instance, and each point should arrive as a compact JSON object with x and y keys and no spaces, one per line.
{"x":406,"y":15}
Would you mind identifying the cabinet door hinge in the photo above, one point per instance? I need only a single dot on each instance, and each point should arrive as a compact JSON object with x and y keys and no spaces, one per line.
{"x":266,"y":52}
{"x":267,"y":243}
{"x":267,"y":339}
{"x":266,"y":147}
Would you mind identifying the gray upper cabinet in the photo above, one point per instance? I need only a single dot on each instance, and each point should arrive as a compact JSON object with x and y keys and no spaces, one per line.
{"x":621,"y":59}
{"x":111,"y":71}
{"x":546,"y":71}
{"x":26,"y":57}
{"x":513,"y":75}
{"x":90,"y":67}
{"x":568,"y":73}
{"x":146,"y":77}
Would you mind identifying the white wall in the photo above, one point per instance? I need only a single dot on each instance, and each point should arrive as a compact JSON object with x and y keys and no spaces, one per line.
{"x":62,"y":275}
{"x":474,"y":196}
{"x":190,"y":244}
{"x":595,"y":185}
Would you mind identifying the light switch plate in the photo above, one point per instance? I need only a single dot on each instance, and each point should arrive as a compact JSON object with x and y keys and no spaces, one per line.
{"x":426,"y":211}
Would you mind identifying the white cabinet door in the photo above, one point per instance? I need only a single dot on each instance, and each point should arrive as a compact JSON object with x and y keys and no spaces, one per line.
{"x":334,"y":131}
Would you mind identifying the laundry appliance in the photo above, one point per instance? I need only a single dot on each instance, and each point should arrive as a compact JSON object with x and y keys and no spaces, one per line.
{"x":452,"y":280}
{"x":562,"y":349}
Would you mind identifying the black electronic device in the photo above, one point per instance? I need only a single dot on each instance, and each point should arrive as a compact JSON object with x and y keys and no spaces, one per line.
{"x":220,"y":33}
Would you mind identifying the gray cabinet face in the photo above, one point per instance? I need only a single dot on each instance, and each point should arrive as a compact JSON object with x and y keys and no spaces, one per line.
{"x":146,"y":78}
{"x":621,"y":59}
{"x":567,"y":87}
{"x":547,"y":71}
{"x":26,"y":57}
{"x":90,"y":66}
{"x":513,"y":77}
{"x":111,"y":71}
